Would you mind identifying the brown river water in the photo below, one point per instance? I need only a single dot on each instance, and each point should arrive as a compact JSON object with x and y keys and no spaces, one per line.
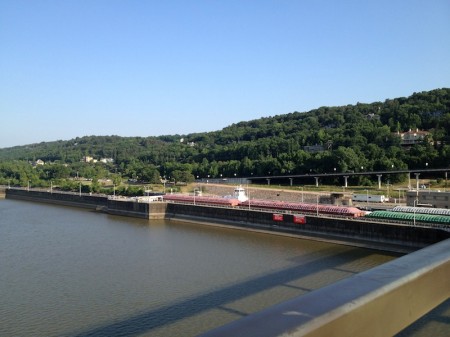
{"x":71,"y":272}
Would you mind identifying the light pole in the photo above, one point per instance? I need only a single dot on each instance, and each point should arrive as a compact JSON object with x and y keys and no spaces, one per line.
{"x":28,"y":189}
{"x":414,"y":221}
{"x":367,"y":198}
{"x":80,"y":190}
{"x":445,"y":189}
{"x":317,"y":206}
{"x":302,"y":192}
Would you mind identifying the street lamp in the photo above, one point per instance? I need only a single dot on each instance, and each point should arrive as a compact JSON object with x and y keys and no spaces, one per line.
{"x":367,"y":199}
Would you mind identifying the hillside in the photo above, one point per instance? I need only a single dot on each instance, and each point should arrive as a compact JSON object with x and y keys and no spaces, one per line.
{"x":342,"y":138}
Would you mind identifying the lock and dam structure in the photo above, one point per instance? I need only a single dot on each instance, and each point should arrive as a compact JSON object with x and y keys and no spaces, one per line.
{"x":396,"y":293}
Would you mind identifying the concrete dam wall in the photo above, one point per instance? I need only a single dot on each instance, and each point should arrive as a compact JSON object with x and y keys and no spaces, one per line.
{"x":116,"y":206}
{"x":66,"y":199}
{"x":359,"y":232}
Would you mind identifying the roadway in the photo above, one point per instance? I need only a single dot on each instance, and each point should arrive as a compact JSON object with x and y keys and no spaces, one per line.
{"x":343,"y":174}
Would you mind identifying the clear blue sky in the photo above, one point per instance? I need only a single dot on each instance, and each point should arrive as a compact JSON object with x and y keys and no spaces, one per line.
{"x":148,"y":68}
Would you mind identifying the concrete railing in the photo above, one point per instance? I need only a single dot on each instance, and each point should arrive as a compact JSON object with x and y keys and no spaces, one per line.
{"x":378,"y":302}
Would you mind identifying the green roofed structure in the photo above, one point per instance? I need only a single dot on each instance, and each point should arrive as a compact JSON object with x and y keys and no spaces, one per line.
{"x":400,"y":216}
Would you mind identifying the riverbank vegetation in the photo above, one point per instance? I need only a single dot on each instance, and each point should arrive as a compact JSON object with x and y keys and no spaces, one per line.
{"x":360,"y":137}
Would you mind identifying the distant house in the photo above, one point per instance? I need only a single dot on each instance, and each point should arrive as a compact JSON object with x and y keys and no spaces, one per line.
{"x":372,"y":116}
{"x":87,"y":159}
{"x":412,"y":137}
{"x":38,"y":162}
{"x":107,"y":160}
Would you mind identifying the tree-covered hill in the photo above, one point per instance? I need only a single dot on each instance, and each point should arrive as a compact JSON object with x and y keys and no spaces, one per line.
{"x":344,"y":138}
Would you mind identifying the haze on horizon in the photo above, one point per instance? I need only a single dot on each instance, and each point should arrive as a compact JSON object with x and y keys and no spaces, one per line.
{"x":145,"y":68}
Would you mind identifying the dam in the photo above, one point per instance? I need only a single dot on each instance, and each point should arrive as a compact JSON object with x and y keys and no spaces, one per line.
{"x":358,"y":232}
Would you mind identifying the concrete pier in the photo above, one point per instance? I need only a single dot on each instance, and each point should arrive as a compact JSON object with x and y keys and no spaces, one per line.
{"x":116,"y":206}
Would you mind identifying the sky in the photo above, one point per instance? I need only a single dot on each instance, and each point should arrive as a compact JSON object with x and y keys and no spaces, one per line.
{"x":149,"y":68}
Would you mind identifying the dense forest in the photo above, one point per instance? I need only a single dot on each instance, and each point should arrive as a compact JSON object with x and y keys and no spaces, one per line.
{"x":344,"y":138}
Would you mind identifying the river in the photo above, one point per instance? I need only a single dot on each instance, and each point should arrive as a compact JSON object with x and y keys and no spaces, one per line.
{"x":72,"y":272}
